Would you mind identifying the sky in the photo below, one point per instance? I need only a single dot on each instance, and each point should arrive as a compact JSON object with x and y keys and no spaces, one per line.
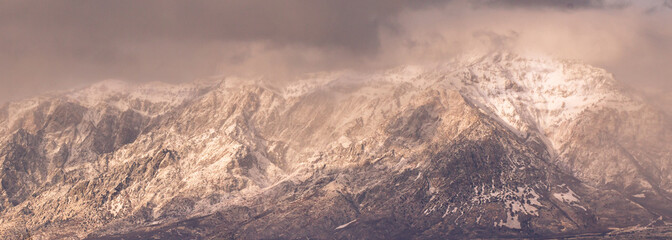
{"x":56,"y":45}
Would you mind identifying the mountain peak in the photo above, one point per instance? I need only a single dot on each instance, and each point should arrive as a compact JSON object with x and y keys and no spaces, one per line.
{"x":479,"y":142}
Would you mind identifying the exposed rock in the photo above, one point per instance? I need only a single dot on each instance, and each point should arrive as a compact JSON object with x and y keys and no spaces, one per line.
{"x":494,"y":146}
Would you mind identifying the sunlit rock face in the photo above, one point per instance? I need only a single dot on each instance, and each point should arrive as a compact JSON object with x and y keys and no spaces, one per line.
{"x":487,"y":146}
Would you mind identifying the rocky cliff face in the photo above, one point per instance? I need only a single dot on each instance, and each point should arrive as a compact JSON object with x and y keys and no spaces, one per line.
{"x":488,"y":146}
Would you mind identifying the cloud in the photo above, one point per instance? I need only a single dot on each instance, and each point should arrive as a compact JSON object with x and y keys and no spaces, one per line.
{"x":49,"y":44}
{"x":57,"y":45}
{"x":626,"y":41}
{"x":555,"y":4}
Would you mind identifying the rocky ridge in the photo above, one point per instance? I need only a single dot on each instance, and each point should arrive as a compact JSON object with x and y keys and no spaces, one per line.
{"x":495,"y":145}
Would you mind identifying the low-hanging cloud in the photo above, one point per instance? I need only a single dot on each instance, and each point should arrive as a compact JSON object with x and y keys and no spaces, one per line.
{"x":554,"y":4}
{"x":49,"y":44}
{"x":57,"y":45}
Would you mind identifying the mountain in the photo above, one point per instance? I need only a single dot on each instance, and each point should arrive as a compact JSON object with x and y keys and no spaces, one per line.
{"x":494,"y":145}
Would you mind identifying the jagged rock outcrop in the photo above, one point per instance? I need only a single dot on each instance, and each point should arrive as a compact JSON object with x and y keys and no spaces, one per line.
{"x":494,"y":146}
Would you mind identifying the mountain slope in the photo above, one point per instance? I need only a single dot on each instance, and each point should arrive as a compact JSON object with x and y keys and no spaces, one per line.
{"x":498,"y":145}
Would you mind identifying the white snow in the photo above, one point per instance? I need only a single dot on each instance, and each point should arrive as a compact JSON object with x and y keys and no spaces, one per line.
{"x":527,"y":94}
{"x":117,"y":205}
{"x":123,"y":95}
{"x":569,"y":197}
{"x":515,"y":202}
{"x":20,"y":108}
{"x":345,"y":225}
{"x":539,"y":94}
{"x":344,"y":141}
{"x":511,"y":221}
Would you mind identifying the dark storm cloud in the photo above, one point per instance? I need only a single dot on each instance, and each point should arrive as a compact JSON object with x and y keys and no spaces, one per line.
{"x":554,"y":4}
{"x":45,"y":43}
{"x":349,"y":24}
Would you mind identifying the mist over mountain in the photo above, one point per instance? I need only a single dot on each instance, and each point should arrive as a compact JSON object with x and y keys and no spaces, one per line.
{"x":72,"y":44}
{"x":494,"y":145}
{"x":335,"y":120}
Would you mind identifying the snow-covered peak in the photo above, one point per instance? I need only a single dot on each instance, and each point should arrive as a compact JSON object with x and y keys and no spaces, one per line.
{"x":110,"y":85}
{"x":534,"y":93}
{"x":537,"y":94}
{"x":125,"y":95}
{"x":526,"y":93}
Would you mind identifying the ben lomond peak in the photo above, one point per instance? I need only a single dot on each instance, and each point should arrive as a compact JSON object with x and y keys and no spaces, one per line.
{"x":336,"y":119}
{"x":499,"y":146}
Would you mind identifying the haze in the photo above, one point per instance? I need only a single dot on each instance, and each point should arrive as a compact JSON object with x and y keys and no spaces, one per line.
{"x":56,"y":45}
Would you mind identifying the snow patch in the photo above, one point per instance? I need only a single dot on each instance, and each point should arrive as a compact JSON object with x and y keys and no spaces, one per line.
{"x":344,"y":141}
{"x":345,"y":225}
{"x":517,"y":201}
{"x":511,"y":221}
{"x":569,"y":197}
